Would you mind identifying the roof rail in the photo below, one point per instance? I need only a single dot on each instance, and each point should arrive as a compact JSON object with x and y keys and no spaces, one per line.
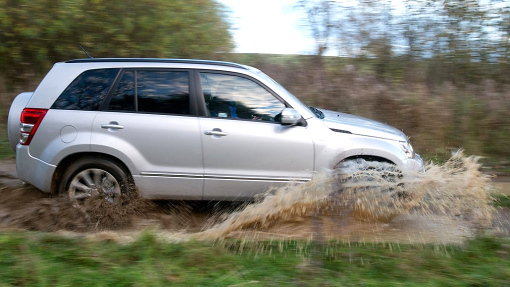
{"x":159,"y":60}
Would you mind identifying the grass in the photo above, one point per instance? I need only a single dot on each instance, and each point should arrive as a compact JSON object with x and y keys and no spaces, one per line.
{"x":496,"y":164}
{"x":5,"y":149}
{"x":33,"y":259}
{"x":502,"y":200}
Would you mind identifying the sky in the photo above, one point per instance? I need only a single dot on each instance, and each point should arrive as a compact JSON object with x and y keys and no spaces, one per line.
{"x":268,"y":26}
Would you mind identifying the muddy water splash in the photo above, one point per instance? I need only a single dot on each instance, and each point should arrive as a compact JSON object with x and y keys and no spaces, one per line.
{"x":446,"y":201}
{"x":286,"y":203}
{"x":372,"y":203}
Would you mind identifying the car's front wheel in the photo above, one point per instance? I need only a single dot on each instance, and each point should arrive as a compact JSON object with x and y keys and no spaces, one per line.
{"x":373,"y":189}
{"x":88,"y":177}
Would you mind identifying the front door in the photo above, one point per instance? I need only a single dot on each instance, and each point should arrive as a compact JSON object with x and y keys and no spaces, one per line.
{"x":246,"y":150}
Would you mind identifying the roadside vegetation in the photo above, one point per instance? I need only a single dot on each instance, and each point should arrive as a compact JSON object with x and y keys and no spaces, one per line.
{"x":440,"y":118}
{"x":447,"y":90}
{"x":501,"y":200}
{"x":33,"y":259}
{"x":5,"y":149}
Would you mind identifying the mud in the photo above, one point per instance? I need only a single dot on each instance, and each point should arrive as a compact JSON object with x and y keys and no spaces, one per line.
{"x":448,"y":203}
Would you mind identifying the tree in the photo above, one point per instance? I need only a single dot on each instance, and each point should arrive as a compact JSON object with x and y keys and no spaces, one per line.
{"x":319,"y":20}
{"x":450,"y":35}
{"x":36,"y":33}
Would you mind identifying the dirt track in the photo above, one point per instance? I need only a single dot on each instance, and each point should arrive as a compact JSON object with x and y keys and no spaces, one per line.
{"x":23,"y":206}
{"x":26,"y":208}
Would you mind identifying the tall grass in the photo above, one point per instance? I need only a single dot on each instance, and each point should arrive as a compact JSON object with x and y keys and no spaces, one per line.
{"x":437,"y":115}
{"x":7,"y":95}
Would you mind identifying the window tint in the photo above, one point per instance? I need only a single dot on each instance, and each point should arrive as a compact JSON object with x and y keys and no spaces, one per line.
{"x":228,"y":96}
{"x":123,"y":98}
{"x":87,"y":91}
{"x":163,"y":92}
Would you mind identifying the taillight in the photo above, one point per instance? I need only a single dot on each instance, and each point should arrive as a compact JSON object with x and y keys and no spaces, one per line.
{"x":30,"y":120}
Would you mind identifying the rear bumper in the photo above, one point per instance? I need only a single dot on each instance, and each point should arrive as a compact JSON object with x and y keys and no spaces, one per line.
{"x":32,"y":170}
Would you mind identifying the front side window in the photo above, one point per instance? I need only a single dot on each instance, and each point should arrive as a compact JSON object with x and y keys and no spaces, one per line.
{"x":87,"y":91}
{"x":235,"y":97}
{"x":152,"y":91}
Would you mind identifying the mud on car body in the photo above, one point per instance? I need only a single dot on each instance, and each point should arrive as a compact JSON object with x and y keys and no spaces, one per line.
{"x":182,"y":129}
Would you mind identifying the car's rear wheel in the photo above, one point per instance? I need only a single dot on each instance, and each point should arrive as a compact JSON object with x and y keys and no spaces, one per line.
{"x":89,"y":177}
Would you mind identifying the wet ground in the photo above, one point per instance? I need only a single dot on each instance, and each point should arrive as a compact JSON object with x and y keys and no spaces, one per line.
{"x":292,"y":214}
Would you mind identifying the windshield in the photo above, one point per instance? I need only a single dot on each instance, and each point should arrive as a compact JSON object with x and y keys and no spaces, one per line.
{"x":269,"y":79}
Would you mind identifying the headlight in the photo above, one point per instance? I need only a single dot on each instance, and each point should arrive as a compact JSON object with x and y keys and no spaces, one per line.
{"x":407,"y":148}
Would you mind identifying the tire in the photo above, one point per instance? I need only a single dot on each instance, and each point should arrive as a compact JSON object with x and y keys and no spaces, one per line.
{"x":373,"y":189}
{"x":94,"y":176}
{"x":384,"y":176}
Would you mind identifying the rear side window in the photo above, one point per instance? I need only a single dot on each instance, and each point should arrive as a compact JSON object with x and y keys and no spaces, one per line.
{"x":152,"y":91}
{"x":163,"y":92}
{"x":87,"y":91}
{"x":123,"y":98}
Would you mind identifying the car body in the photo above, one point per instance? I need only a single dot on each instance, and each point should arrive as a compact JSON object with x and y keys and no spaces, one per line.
{"x":185,"y":129}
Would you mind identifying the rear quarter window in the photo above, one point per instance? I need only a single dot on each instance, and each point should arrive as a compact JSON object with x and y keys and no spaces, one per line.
{"x":87,"y":91}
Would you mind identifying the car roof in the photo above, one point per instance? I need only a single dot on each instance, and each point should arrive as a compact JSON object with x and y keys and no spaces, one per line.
{"x":158,"y":60}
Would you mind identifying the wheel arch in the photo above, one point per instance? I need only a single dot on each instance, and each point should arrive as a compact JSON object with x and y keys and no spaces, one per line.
{"x":367,"y":158}
{"x":65,"y":162}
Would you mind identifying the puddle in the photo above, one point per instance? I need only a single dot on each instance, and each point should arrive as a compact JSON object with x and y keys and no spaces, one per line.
{"x":446,"y":204}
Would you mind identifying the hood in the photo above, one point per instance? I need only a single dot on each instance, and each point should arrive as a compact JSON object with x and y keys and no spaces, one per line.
{"x":361,"y":126}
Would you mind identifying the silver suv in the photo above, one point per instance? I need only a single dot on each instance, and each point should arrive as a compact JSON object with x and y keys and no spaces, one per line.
{"x":182,"y":129}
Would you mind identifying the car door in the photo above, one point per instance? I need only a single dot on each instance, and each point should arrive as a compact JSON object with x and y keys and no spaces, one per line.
{"x":150,"y":125}
{"x":245,"y":148}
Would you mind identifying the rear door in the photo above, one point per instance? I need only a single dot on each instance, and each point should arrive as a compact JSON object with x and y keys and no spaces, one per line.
{"x":150,"y":123}
{"x":245,"y":148}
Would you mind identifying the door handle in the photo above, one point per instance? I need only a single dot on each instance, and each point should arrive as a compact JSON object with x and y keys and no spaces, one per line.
{"x":216,"y":132}
{"x":112,"y":126}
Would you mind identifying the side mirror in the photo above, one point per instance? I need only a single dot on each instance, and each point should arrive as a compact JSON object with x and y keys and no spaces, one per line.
{"x":290,"y":117}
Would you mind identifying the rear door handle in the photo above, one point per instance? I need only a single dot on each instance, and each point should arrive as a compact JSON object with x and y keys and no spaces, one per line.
{"x":216,"y":132}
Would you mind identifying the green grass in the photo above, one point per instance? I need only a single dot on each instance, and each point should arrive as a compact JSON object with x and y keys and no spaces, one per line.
{"x":33,"y":259}
{"x":501,"y":200}
{"x":5,"y":149}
